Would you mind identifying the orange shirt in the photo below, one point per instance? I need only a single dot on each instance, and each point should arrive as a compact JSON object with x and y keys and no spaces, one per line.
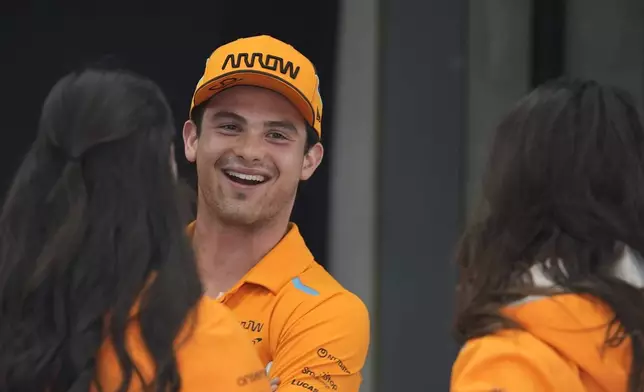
{"x":560,"y":349}
{"x":307,"y":329}
{"x":216,"y":357}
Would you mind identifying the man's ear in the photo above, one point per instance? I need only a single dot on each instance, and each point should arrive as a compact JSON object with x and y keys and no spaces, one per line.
{"x":312,"y":160}
{"x":190,"y":140}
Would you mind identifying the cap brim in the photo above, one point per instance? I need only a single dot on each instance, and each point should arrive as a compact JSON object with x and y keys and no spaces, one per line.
{"x":257,"y":79}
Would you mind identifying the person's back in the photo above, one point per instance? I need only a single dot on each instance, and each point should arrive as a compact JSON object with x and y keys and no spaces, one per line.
{"x":550,"y":283}
{"x":98,"y":287}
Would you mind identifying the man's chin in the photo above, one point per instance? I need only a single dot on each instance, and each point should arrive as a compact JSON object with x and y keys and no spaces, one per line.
{"x":240,"y":216}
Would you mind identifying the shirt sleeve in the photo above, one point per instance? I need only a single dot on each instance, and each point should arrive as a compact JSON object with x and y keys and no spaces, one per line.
{"x":324,"y":349}
{"x":511,"y":362}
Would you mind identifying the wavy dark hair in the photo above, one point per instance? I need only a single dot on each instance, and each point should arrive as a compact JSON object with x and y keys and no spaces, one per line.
{"x":90,"y":229}
{"x":565,"y":180}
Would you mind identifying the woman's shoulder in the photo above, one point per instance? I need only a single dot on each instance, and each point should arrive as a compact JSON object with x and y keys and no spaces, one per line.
{"x":561,"y":337}
{"x":511,"y":360}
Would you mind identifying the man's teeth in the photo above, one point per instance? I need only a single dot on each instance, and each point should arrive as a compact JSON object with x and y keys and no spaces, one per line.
{"x":248,"y":177}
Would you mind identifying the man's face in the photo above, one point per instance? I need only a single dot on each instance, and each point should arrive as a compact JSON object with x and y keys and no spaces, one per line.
{"x":250,"y":155}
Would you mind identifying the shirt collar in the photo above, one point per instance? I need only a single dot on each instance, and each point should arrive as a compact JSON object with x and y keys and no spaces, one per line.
{"x":629,"y":267}
{"x":287,"y":259}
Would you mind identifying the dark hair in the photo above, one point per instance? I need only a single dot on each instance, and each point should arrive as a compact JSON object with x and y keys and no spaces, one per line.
{"x":91,"y":228}
{"x":312,"y":136}
{"x":565,"y":180}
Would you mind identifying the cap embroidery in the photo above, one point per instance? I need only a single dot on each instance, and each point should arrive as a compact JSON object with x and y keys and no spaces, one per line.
{"x":268,"y":62}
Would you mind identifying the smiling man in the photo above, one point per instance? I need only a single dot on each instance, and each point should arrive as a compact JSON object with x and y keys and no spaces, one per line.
{"x":254,"y":134}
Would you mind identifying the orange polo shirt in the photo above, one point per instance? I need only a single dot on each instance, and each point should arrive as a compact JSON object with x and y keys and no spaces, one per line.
{"x":561,"y":348}
{"x":216,"y":357}
{"x":307,"y":329}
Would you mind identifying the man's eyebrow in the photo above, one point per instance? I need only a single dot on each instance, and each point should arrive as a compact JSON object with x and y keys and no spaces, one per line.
{"x":228,"y":115}
{"x":286,"y":125}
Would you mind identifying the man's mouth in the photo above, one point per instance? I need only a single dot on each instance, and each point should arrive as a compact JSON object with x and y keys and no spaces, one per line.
{"x":245,"y":179}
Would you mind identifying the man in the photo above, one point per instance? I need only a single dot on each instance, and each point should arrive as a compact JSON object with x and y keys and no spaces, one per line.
{"x":254,"y":134}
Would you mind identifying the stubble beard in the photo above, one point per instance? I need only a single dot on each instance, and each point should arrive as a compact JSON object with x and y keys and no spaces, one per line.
{"x":237,"y":211}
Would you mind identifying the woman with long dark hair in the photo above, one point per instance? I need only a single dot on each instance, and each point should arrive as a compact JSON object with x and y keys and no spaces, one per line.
{"x":98,"y":287}
{"x":550,"y":279}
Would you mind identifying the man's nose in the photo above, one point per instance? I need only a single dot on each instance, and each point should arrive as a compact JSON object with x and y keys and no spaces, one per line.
{"x":250,"y":146}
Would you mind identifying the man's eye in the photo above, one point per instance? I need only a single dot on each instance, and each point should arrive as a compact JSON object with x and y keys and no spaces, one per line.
{"x":277,"y":136}
{"x":229,"y":127}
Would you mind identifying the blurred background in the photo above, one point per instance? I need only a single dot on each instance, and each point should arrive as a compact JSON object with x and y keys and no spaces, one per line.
{"x":412,"y":91}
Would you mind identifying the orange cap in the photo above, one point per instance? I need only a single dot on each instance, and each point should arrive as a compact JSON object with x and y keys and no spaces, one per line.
{"x":263,"y":61}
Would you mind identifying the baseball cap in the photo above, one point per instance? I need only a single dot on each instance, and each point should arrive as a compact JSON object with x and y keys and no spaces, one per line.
{"x":267,"y":62}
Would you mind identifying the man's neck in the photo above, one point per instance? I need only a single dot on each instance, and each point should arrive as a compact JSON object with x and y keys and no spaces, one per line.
{"x":225,"y":253}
